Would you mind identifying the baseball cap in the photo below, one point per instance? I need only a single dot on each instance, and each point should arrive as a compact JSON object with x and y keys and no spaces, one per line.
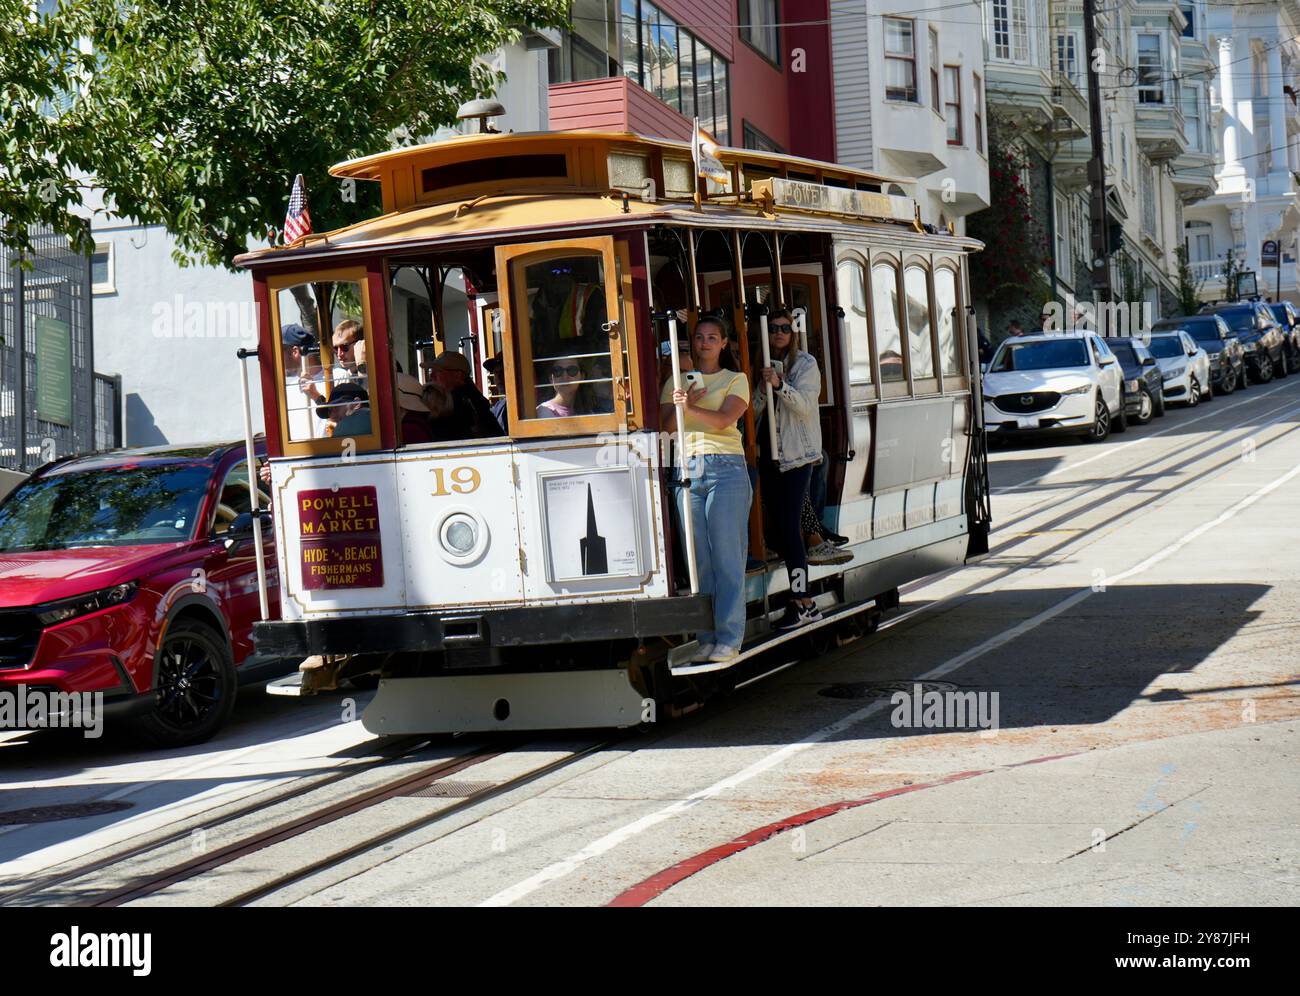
{"x":343,"y":394}
{"x":295,"y":335}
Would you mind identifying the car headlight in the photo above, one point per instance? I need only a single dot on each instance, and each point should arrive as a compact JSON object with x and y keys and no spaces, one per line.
{"x":1131,"y":385}
{"x":1175,"y":373}
{"x":1086,"y":388}
{"x":1249,"y":347}
{"x":70,"y":608}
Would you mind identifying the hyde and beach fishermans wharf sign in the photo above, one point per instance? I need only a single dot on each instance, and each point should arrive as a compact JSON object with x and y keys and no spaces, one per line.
{"x":339,"y":533}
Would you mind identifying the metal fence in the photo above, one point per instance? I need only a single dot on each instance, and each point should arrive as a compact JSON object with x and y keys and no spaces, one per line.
{"x":55,"y":286}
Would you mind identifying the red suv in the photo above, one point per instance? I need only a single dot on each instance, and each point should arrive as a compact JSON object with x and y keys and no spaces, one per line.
{"x":132,"y":573}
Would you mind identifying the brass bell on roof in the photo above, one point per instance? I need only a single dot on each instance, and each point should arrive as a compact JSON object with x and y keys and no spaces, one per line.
{"x":483,"y":110}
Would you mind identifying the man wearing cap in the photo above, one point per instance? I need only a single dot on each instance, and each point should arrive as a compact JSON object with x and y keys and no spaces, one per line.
{"x":297,"y":347}
{"x":348,"y":409}
{"x":472,"y":413}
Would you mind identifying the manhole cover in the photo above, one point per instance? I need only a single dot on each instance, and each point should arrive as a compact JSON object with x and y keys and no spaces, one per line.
{"x":451,"y":789}
{"x":883,"y":689}
{"x":50,"y":814}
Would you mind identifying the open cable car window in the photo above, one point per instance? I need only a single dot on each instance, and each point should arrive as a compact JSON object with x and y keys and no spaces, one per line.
{"x":889,"y":336}
{"x":564,"y":349}
{"x":321,"y":322}
{"x":945,"y":307}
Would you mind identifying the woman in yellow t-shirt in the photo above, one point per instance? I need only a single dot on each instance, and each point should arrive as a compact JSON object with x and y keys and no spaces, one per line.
{"x":719,"y":496}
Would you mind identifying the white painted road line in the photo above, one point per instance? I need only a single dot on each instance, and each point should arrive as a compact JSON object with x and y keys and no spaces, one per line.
{"x":609,"y":841}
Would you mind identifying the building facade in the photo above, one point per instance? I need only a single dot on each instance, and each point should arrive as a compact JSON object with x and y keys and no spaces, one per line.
{"x":909,"y":82}
{"x":1155,"y":70}
{"x":1253,"y":119}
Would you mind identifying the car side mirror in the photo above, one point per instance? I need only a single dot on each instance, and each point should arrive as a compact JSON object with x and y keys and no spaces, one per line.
{"x":241,"y":527}
{"x":1107,"y":361}
{"x":1148,"y":361}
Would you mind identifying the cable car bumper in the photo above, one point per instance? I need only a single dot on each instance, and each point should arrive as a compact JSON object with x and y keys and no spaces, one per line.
{"x":458,"y":629}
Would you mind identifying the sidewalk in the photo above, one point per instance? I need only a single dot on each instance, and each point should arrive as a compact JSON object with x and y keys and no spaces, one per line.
{"x":1204,"y":818}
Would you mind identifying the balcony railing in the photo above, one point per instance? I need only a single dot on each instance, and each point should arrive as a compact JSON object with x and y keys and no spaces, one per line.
{"x":1070,"y":107}
{"x":1209,"y":271}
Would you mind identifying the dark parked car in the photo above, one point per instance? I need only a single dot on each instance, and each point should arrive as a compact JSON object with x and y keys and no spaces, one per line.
{"x":1288,"y":319}
{"x":1261,"y":338}
{"x":1144,"y":396}
{"x":132,"y":573}
{"x":1227,"y":358}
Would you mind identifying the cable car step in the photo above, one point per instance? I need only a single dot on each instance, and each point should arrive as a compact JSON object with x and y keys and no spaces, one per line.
{"x":830,"y":614}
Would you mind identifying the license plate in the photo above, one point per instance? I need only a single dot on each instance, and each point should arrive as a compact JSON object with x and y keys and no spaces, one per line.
{"x":1027,"y":423}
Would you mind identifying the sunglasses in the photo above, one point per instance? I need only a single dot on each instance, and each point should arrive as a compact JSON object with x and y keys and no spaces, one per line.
{"x":572,"y":371}
{"x":782,"y":329}
{"x":343,"y":347}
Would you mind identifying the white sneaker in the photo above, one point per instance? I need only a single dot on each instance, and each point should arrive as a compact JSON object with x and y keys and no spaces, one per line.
{"x":703,"y":653}
{"x":825,"y":553}
{"x":722,"y":654}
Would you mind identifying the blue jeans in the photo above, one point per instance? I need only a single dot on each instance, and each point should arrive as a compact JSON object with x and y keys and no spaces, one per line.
{"x":719,"y":509}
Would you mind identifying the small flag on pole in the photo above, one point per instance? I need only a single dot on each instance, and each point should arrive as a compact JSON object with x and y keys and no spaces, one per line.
{"x":297,"y":221}
{"x":707,"y":163}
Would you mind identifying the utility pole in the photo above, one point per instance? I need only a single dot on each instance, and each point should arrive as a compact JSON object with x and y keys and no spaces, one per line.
{"x":1097,"y":164}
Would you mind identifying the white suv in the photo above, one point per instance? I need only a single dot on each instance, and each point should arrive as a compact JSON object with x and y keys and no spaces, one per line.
{"x":1184,"y":366}
{"x":1063,"y":382}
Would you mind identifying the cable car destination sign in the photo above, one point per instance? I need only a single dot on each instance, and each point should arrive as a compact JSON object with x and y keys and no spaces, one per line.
{"x":339,"y":537}
{"x":818,"y":198}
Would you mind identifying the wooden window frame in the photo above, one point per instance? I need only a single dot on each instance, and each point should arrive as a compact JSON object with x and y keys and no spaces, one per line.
{"x":518,"y":349}
{"x":859,"y":390}
{"x":928,"y":384}
{"x":275,"y":283}
{"x":894,"y":388}
{"x":954,"y":105}
{"x":960,"y":381}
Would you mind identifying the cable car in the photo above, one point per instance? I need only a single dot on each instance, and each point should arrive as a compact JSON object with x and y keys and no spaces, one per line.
{"x":532,"y":572}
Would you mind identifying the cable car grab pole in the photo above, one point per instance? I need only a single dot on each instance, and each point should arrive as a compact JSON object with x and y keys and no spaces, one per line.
{"x":253,"y":478}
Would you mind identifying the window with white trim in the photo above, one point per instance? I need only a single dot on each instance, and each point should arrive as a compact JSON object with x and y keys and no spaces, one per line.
{"x":900,"y":59}
{"x":934,"y":71}
{"x":1192,"y":117}
{"x":1067,"y":57}
{"x":978,"y":91}
{"x":952,"y":103}
{"x":102,"y":278}
{"x":1150,"y":67}
{"x":1010,"y":27}
{"x":1061,"y":225}
{"x":1149,"y":211}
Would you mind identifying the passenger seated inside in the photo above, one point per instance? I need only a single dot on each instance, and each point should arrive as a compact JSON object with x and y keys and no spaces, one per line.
{"x":301,"y":363}
{"x":417,"y":423}
{"x":472,"y":415}
{"x":496,"y":380}
{"x":349,"y":353}
{"x":442,"y":411}
{"x":573,"y":395}
{"x":347,"y":412}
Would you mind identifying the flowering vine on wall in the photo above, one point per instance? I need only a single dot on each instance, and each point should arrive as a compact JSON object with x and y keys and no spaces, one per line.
{"x":1010,"y":269}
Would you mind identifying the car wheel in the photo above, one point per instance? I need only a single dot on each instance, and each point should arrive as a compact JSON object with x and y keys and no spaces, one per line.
{"x":1101,"y":423}
{"x":196,"y":687}
{"x":1193,"y":393}
{"x":1264,"y":369}
{"x":1146,"y":408}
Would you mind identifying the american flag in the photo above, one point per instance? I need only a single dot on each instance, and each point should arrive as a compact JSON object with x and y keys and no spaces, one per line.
{"x":297,"y":221}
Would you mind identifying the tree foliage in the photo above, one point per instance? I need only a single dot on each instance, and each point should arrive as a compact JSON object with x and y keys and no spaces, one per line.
{"x":1189,"y":285}
{"x":197,"y":114}
{"x":1009,"y":272}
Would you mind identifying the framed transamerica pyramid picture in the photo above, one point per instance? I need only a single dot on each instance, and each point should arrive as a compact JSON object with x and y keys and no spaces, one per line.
{"x":592,"y":524}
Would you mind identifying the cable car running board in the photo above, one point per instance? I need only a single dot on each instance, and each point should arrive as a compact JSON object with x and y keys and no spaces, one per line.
{"x":774,"y":639}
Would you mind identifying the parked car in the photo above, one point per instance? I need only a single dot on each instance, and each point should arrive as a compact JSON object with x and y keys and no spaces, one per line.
{"x":1288,"y":320}
{"x":1260,"y":337}
{"x":132,"y":573}
{"x":1144,"y":395}
{"x":1063,"y":382}
{"x":1227,"y":358}
{"x":1184,"y":365}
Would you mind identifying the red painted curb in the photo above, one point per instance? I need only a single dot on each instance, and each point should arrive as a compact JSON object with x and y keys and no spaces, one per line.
{"x":660,"y":882}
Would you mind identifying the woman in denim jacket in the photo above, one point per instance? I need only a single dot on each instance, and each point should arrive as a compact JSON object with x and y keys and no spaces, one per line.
{"x":796,"y":389}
